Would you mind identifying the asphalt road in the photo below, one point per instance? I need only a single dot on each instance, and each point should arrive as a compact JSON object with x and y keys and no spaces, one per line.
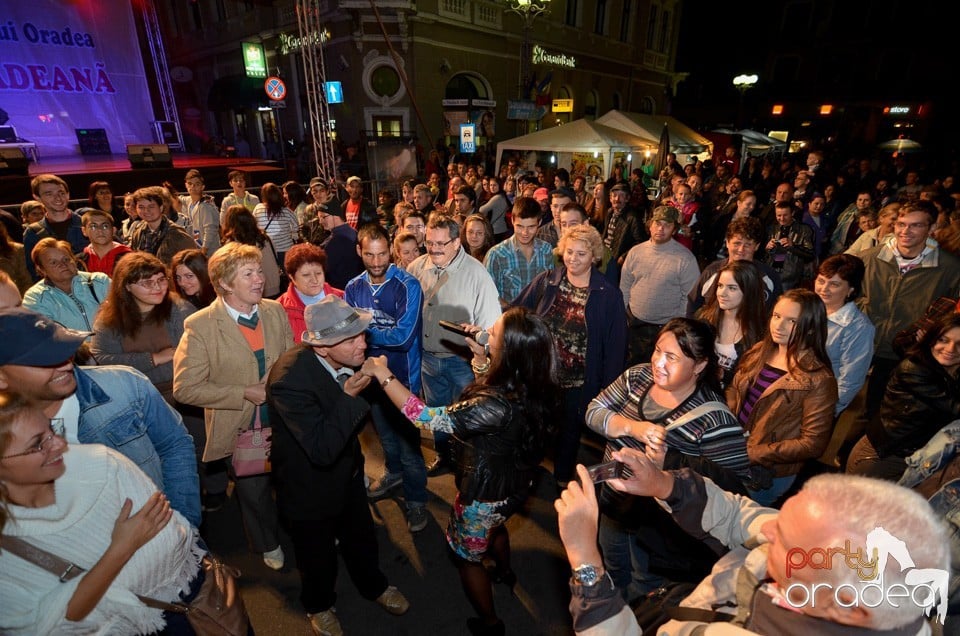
{"x":417,"y":564}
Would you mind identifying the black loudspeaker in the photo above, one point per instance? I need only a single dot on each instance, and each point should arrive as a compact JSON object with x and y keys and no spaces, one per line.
{"x":13,"y":162}
{"x":93,"y":141}
{"x":149,"y":156}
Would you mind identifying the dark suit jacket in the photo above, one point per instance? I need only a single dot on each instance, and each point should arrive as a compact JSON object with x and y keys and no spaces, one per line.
{"x":315,"y":450}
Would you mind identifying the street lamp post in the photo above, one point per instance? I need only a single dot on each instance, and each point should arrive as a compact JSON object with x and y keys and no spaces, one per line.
{"x":743,"y":83}
{"x":528,"y":10}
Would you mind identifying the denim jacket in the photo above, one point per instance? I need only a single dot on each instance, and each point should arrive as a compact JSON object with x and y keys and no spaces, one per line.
{"x":120,"y":408}
{"x":931,"y":458}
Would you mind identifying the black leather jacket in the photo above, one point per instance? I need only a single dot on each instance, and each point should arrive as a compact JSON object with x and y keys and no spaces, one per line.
{"x":921,"y":398}
{"x":487,"y":429}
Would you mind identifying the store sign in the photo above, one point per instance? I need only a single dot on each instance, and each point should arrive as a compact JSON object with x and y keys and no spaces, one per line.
{"x":563,"y":105}
{"x":455,"y":102}
{"x":254,"y":59}
{"x":897,"y":110}
{"x":541,"y":56}
{"x":292,"y":43}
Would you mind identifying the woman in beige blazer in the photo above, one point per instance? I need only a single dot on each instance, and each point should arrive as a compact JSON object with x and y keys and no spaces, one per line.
{"x":221,"y":364}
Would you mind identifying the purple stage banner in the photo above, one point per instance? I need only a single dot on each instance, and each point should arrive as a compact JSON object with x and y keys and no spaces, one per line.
{"x":73,"y":64}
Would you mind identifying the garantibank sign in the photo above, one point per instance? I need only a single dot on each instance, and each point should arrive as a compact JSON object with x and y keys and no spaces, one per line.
{"x":541,"y":56}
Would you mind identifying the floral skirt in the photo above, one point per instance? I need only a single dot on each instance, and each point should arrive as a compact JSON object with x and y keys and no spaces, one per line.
{"x":469,"y":529}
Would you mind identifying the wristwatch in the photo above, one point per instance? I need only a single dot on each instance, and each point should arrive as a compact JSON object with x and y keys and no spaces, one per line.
{"x":587,"y":575}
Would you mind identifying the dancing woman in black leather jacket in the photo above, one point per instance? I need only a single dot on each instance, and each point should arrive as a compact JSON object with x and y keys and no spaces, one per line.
{"x":500,"y":426}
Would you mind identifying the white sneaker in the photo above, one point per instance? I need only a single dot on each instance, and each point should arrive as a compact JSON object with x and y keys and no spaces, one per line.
{"x":274,"y":558}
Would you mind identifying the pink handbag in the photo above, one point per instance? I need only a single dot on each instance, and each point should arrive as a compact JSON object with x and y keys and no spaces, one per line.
{"x":252,"y":453}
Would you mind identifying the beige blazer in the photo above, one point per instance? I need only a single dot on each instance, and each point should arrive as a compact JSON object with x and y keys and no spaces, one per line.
{"x":214,"y":363}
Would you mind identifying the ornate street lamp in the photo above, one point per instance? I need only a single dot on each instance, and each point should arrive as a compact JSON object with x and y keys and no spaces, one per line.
{"x":743,"y":83}
{"x":528,"y":10}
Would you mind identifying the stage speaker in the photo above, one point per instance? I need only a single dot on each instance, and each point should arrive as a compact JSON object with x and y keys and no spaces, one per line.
{"x":149,"y":156}
{"x":13,"y":162}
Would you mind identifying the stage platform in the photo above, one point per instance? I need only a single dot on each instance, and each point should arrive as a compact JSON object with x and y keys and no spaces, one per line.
{"x":79,"y":171}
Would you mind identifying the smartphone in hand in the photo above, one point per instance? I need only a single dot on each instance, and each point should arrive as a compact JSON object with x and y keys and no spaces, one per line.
{"x":606,"y":471}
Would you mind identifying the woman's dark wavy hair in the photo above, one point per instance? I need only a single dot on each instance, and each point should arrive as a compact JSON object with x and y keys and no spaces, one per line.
{"x":196,"y":261}
{"x":753,"y":310}
{"x":120,"y":311}
{"x":272,"y":198}
{"x":240,"y":225}
{"x":525,"y":372}
{"x":696,"y":339}
{"x":922,"y":351}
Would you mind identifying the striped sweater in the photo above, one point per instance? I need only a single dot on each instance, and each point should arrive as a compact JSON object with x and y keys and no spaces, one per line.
{"x":716,"y":435}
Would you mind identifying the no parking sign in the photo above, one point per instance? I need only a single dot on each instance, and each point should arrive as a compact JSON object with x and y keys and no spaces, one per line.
{"x":275,"y":88}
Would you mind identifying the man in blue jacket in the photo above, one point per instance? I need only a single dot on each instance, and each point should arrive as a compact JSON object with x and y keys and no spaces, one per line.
{"x":395,"y":300}
{"x":116,"y":406}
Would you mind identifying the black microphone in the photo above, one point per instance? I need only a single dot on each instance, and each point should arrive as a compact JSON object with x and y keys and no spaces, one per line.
{"x":482,"y":337}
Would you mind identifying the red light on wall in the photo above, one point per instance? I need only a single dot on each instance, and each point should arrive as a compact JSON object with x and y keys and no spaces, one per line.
{"x":826,"y":109}
{"x":777,"y":109}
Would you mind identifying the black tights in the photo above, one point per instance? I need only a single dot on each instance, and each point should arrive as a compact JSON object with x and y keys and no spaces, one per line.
{"x":476,"y":580}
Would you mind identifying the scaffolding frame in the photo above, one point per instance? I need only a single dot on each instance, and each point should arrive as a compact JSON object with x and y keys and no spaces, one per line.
{"x":314,"y":37}
{"x":162,"y":72}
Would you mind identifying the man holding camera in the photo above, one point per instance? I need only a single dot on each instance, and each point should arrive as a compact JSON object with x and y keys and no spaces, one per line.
{"x":789,"y":247}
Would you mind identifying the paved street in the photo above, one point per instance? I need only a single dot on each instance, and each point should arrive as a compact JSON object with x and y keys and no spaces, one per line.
{"x":418,"y":565}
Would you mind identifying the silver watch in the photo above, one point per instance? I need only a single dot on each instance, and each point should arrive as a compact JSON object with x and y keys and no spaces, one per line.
{"x":587,"y":575}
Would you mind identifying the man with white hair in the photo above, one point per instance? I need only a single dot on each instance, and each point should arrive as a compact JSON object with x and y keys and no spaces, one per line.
{"x":845,"y":555}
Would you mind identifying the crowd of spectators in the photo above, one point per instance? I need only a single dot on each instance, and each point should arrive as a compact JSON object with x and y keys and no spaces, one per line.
{"x":712,"y":335}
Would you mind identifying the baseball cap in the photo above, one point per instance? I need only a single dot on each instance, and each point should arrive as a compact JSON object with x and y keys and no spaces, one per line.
{"x":541,"y":194}
{"x":666,"y":213}
{"x":318,"y":181}
{"x":620,"y":187}
{"x":33,"y":340}
{"x":354,"y":178}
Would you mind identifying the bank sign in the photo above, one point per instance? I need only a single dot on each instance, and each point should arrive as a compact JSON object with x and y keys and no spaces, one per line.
{"x":541,"y":56}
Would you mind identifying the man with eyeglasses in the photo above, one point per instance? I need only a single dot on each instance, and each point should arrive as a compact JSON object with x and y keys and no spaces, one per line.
{"x":64,"y":294}
{"x":116,"y":406}
{"x":103,"y":252}
{"x":456,"y":287}
{"x":904,"y":274}
{"x":59,"y":221}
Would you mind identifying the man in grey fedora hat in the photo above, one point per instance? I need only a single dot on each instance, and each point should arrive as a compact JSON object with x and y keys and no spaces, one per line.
{"x":316,"y":415}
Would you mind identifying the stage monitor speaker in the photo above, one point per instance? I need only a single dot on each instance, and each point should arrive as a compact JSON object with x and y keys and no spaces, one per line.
{"x":93,"y":141}
{"x":149,"y":156}
{"x":13,"y":162}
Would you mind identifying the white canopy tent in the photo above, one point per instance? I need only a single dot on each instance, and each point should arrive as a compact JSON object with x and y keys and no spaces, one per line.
{"x":582,"y":146}
{"x":755,"y":142}
{"x":683,"y":139}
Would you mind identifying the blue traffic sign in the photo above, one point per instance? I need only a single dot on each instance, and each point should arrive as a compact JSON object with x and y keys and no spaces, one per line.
{"x":275,"y":88}
{"x":334,"y":92}
{"x":468,"y":134}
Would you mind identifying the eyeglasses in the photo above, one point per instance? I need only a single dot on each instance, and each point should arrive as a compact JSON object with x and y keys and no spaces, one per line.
{"x":56,"y":430}
{"x":102,"y":227}
{"x":153,"y":283}
{"x":438,"y":244}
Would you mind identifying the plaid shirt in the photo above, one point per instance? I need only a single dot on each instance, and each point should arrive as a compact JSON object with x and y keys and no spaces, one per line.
{"x":511,"y":271}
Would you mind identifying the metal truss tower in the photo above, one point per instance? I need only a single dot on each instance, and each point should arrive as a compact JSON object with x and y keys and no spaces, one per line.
{"x":161,"y":71}
{"x":313,"y":35}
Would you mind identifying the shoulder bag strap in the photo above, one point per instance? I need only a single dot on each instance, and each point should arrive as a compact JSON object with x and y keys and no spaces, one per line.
{"x":697,"y":411}
{"x":61,"y":568}
{"x":66,"y":570}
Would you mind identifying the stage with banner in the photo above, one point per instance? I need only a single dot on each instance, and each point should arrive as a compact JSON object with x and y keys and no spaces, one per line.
{"x":72,"y":77}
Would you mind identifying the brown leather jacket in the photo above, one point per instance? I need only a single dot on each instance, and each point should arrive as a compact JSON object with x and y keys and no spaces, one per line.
{"x":791,"y":422}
